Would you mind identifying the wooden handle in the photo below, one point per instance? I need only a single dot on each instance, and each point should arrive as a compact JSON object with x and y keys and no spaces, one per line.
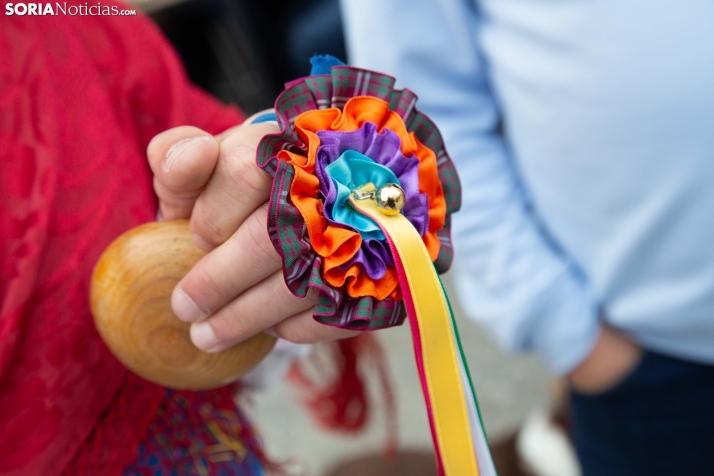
{"x":130,"y":299}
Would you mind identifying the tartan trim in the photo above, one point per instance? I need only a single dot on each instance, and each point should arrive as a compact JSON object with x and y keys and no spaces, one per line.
{"x":446,"y":252}
{"x":348,"y":82}
{"x":288,"y":232}
{"x":403,"y":101}
{"x":321,"y":89}
{"x":365,"y":313}
{"x":286,"y":227}
{"x":295,"y":100}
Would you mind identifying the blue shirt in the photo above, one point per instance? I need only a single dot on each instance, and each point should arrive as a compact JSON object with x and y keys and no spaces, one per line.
{"x":583,"y":132}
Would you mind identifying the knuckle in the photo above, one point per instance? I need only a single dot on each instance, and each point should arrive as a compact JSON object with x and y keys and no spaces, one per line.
{"x":162,"y":142}
{"x":257,"y":234}
{"x":193,"y":164}
{"x":203,"y":288}
{"x":243,"y":175}
{"x":206,"y":226}
{"x":231,"y":325}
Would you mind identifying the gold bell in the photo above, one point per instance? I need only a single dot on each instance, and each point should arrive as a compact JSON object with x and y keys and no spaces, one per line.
{"x":390,"y":199}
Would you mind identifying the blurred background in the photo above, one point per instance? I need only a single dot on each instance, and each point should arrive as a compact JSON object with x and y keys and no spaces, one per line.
{"x":509,"y":389}
{"x":243,"y":52}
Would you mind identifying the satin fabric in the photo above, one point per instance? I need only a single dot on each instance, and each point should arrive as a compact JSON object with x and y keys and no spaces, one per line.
{"x":349,"y":172}
{"x":384,"y":148}
{"x":444,"y":385}
{"x":338,"y":245}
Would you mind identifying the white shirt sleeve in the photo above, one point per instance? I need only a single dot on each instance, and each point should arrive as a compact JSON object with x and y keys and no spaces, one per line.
{"x":510,"y":275}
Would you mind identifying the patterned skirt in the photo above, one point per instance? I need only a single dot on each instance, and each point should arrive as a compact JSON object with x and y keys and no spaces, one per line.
{"x":198,"y":433}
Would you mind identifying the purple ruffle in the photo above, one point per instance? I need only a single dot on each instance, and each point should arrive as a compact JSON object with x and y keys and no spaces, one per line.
{"x":385,"y":149}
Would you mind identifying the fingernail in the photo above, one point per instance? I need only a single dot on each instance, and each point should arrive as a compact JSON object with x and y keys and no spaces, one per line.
{"x":203,"y":337}
{"x":176,"y":149}
{"x":184,"y":307}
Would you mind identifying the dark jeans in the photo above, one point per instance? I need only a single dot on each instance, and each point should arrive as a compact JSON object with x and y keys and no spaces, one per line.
{"x":659,"y":421}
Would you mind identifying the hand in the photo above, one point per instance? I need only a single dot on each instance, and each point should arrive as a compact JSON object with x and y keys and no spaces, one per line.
{"x":611,"y":360}
{"x":237,"y":290}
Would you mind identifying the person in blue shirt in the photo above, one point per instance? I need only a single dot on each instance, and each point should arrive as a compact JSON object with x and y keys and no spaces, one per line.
{"x":583,"y":132}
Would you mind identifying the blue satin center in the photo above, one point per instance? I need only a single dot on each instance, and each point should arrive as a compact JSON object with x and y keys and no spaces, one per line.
{"x":351,"y":171}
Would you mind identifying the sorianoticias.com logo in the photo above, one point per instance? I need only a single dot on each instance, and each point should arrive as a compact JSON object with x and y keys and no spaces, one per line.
{"x":61,"y":8}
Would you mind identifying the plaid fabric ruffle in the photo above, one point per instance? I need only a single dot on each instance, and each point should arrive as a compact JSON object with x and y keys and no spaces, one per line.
{"x":287,"y":229}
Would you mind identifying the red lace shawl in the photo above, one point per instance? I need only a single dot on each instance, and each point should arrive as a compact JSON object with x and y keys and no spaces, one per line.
{"x":80,"y":98}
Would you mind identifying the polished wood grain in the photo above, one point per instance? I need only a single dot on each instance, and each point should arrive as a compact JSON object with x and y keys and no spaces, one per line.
{"x":130,"y":299}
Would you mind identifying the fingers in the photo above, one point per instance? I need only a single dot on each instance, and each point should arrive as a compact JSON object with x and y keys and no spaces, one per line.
{"x":243,"y":261}
{"x":182,"y":160}
{"x":302,"y":328}
{"x":236,"y":188}
{"x":259,"y":308}
{"x":238,"y":289}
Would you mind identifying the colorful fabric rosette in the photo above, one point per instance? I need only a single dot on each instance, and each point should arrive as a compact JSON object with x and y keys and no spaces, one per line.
{"x":337,"y":130}
{"x":346,"y":132}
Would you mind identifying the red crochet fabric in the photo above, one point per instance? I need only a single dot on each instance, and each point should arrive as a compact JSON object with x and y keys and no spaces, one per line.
{"x":80,"y":98}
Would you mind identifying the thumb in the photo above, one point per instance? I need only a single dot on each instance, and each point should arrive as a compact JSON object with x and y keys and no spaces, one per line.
{"x":182,"y":160}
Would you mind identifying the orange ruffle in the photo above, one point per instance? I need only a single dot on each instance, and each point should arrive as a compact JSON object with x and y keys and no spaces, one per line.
{"x":338,"y":245}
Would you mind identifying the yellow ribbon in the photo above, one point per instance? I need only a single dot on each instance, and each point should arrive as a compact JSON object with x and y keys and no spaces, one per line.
{"x":440,"y":354}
